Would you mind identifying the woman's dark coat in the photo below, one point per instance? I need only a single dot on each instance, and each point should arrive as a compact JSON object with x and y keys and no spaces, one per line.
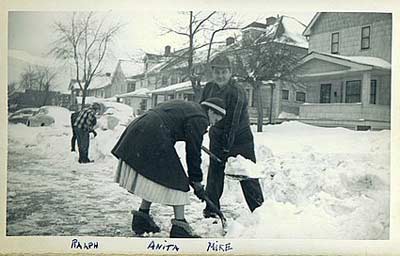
{"x":147,"y":144}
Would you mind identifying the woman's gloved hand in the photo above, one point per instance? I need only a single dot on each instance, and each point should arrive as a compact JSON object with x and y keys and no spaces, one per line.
{"x":198,"y":190}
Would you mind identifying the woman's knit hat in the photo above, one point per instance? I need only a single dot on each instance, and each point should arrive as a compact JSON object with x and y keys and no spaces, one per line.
{"x":216,"y":104}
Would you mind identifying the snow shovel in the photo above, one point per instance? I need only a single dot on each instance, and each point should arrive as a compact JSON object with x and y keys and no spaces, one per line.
{"x":250,"y":186}
{"x":215,"y":209}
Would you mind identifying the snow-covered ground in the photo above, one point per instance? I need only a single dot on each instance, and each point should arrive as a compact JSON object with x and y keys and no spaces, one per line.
{"x":318,"y":183}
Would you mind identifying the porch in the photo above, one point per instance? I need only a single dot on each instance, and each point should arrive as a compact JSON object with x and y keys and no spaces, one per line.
{"x":346,"y":91}
{"x":356,"y":116}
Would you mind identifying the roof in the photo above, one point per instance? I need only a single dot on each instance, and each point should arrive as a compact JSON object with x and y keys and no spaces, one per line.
{"x":286,"y":30}
{"x":173,"y":88}
{"x":141,"y":93}
{"x":96,"y":83}
{"x":307,"y":31}
{"x":255,"y":25}
{"x":130,"y":68}
{"x":363,"y":60}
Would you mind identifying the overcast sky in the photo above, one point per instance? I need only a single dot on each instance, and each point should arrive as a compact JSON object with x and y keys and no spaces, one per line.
{"x":33,"y":31}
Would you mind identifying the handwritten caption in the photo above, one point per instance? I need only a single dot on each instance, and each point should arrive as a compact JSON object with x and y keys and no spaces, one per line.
{"x":76,"y":244}
{"x":213,"y":246}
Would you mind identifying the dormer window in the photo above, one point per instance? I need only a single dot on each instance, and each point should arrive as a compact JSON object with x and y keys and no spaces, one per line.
{"x":365,"y":37}
{"x":335,"y":43}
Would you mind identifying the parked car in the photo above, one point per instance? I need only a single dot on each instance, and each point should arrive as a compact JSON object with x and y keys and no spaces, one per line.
{"x":113,"y":114}
{"x":50,"y":115}
{"x":22,"y":115}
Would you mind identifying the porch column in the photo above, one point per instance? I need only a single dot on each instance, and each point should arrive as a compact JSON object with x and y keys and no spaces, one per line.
{"x":277,"y":99}
{"x":366,"y":87}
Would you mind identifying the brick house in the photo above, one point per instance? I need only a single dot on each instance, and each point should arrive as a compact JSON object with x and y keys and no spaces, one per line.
{"x":348,"y":70}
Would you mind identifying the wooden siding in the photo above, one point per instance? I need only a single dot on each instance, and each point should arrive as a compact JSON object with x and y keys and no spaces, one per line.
{"x":349,"y":27}
{"x":316,"y":66}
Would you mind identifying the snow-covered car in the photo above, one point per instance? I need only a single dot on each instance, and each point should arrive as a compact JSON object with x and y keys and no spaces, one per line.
{"x":50,"y":115}
{"x":22,"y":115}
{"x":113,"y":114}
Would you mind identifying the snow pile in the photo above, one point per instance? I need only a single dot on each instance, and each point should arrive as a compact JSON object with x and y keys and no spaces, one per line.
{"x":327,"y":183}
{"x":335,"y":179}
{"x":61,"y":115}
{"x":241,"y":166}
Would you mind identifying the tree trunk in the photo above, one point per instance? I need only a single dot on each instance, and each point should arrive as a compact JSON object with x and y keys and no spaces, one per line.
{"x":271,"y":106}
{"x":259,"y":106}
{"x":83,"y":98}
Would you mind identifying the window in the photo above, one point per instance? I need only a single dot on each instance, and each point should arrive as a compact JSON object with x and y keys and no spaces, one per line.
{"x":365,"y":37}
{"x":335,"y":43}
{"x":372,"y":96}
{"x":325,"y":93}
{"x":301,"y":96}
{"x":285,"y":94}
{"x":353,"y":91}
{"x":164,"y":80}
{"x":131,"y":86}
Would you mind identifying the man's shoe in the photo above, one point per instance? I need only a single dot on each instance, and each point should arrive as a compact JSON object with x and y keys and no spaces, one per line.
{"x":143,"y":223}
{"x":85,"y":161}
{"x":209,"y":214}
{"x":72,"y":150}
{"x":181,"y":229}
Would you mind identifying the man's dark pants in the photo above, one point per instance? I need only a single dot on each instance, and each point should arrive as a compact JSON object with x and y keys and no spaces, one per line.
{"x":82,"y":137}
{"x":243,"y":145}
{"x":73,"y":139}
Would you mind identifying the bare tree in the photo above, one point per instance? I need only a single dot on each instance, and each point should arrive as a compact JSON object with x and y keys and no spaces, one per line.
{"x":12,"y":88}
{"x":261,"y":64}
{"x":28,"y":79}
{"x":85,"y":40}
{"x":200,"y":26}
{"x":38,"y":78}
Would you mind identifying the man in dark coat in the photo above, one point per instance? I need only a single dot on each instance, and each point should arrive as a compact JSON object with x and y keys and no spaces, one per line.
{"x":150,"y":166}
{"x":83,"y":125}
{"x":231,"y":136}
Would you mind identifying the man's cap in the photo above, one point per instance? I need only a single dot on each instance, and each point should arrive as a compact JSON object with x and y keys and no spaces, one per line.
{"x":220,"y":61}
{"x":215,"y":104}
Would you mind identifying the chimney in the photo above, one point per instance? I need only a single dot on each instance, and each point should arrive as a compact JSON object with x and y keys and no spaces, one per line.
{"x":271,"y":20}
{"x":230,"y":40}
{"x":167,"y":50}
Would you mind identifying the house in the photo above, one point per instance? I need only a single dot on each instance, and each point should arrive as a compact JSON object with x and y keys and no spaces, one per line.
{"x":99,"y":87}
{"x":280,"y":99}
{"x":139,"y":100}
{"x":166,"y":74}
{"x":347,"y":71}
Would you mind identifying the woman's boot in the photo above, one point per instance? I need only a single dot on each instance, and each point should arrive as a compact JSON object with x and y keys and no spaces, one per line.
{"x":181,"y":229}
{"x":143,"y":223}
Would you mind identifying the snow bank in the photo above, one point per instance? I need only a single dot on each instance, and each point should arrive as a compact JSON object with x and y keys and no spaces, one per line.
{"x":318,"y":182}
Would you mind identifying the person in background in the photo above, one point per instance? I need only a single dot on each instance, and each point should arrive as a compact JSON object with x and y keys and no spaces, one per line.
{"x":83,"y":125}
{"x":230,"y":137}
{"x":149,"y":165}
{"x":73,"y":139}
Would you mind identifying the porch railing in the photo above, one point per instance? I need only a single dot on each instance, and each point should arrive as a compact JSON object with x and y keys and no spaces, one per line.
{"x":345,"y":111}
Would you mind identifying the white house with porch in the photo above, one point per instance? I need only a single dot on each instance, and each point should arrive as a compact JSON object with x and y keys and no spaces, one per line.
{"x":347,"y":72}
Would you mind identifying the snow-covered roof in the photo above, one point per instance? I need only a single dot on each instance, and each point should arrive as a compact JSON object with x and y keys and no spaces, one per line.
{"x":174,"y":87}
{"x":142,"y":92}
{"x":130,"y":68}
{"x":96,"y":83}
{"x":364,"y":60}
{"x":286,"y":30}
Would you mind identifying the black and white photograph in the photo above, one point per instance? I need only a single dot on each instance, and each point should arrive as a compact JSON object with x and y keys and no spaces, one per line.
{"x":161,"y":127}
